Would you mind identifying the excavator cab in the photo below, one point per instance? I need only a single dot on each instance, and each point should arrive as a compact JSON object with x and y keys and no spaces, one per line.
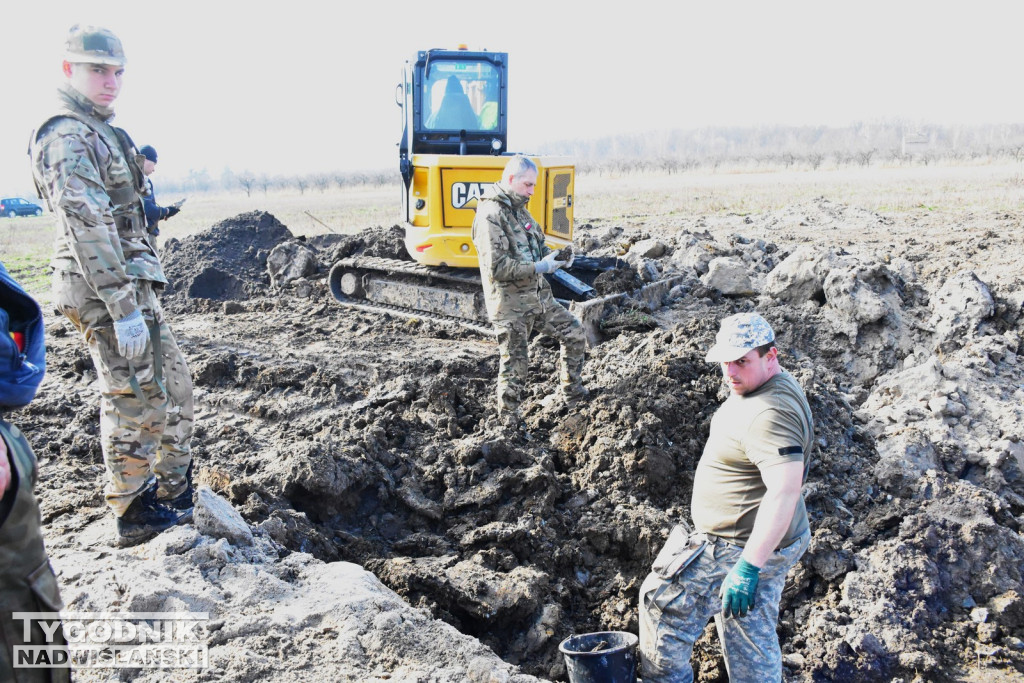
{"x":454,"y":143}
{"x":453,"y":102}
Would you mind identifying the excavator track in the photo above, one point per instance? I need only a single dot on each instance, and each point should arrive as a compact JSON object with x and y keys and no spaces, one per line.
{"x":410,"y":290}
{"x":454,"y":296}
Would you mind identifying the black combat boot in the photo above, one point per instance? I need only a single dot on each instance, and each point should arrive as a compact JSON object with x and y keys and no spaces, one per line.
{"x":145,"y":518}
{"x":183,"y":501}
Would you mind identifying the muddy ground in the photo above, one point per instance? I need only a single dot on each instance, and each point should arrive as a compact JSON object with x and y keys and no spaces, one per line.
{"x":345,"y":437}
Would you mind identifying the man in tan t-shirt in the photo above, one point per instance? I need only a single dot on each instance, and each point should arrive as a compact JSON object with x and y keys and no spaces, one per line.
{"x":748,"y":512}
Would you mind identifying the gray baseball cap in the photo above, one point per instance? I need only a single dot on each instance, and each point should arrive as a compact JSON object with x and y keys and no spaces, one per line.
{"x":93,"y":45}
{"x":738,"y":335}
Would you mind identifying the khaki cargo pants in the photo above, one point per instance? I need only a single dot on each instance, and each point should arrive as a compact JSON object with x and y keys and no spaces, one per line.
{"x":671,"y":624}
{"x":146,"y":412}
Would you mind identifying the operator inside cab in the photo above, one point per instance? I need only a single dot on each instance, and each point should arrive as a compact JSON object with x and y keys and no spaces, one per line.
{"x":462,"y":96}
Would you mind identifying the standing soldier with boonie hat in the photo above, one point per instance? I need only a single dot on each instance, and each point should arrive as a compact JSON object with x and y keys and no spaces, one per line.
{"x":750,"y":522}
{"x":106,"y":277}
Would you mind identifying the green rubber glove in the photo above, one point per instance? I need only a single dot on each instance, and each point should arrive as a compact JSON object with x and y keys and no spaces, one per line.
{"x":739,"y":588}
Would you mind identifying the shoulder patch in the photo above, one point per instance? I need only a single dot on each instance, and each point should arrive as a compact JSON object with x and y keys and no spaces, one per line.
{"x":791,"y":450}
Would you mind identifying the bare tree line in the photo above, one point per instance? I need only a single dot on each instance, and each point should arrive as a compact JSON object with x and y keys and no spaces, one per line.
{"x":804,"y":147}
{"x":712,"y":148}
{"x":252,"y":183}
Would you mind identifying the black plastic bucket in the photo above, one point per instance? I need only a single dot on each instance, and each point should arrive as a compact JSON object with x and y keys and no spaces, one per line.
{"x":604,"y":657}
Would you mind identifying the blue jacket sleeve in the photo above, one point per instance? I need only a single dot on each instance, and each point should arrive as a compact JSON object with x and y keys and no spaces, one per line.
{"x":153,"y":212}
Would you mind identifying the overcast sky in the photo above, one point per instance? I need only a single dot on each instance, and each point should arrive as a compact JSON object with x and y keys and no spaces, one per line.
{"x":301,"y":86}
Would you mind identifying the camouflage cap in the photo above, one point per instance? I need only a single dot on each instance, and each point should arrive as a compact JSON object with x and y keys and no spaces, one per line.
{"x":738,"y":335}
{"x":93,"y":45}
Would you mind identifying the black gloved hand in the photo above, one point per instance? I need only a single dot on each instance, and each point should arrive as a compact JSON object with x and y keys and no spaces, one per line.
{"x":171,"y":211}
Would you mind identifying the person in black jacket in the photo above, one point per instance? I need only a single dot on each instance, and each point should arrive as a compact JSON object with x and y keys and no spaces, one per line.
{"x":154,"y":212}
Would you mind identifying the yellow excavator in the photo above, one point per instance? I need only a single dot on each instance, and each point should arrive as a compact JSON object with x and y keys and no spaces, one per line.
{"x":454,"y":143}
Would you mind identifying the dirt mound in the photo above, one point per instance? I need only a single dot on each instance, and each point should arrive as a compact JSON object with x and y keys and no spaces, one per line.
{"x":358,"y":437}
{"x":380,"y":242}
{"x":227,"y":262}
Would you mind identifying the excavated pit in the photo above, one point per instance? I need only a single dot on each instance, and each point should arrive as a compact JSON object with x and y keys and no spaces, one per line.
{"x":371,"y":439}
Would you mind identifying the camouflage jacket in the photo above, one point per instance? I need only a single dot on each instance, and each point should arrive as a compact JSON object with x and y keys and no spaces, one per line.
{"x":91,"y":177}
{"x":509,"y":241}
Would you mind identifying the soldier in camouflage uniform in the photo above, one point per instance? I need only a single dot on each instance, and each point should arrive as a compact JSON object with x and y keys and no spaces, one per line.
{"x":106,"y":279}
{"x":749,"y":515}
{"x":513,"y":261}
{"x":27,"y":581}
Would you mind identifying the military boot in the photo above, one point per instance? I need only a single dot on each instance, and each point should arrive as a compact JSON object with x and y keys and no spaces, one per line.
{"x":183,"y":501}
{"x":574,"y":392}
{"x":145,"y":518}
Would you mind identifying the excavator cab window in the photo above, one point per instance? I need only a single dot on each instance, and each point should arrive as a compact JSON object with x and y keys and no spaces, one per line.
{"x":453,"y":102}
{"x":461,"y":95}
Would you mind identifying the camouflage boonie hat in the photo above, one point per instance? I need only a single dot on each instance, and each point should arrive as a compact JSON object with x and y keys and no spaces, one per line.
{"x":738,"y":335}
{"x":93,"y":45}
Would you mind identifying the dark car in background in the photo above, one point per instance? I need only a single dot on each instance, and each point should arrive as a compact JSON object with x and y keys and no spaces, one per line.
{"x":16,"y":206}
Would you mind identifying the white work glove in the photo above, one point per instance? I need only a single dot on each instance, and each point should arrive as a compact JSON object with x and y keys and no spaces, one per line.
{"x":132,"y":335}
{"x":549,"y":263}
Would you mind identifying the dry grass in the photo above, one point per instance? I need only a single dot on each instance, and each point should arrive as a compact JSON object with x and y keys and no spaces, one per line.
{"x":881,"y":189}
{"x":26,"y":243}
{"x":348,"y":210}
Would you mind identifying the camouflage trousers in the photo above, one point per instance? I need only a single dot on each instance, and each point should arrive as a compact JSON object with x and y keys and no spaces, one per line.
{"x":673,"y":619}
{"x":146,"y":412}
{"x":513,"y":351}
